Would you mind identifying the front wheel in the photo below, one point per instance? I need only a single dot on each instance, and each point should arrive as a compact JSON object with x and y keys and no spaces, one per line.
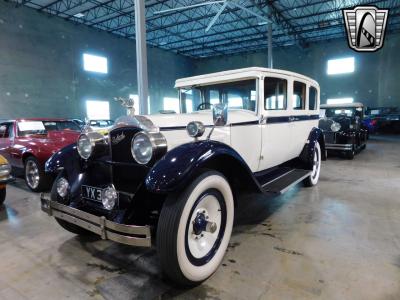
{"x":194,"y":229}
{"x":316,"y":167}
{"x":35,"y":177}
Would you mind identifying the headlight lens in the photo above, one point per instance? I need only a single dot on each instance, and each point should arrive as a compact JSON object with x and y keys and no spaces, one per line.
{"x":85,"y":146}
{"x":62,"y":187}
{"x":195,"y":129}
{"x":5,"y":170}
{"x":109,"y":198}
{"x":335,"y":127}
{"x":142,"y":148}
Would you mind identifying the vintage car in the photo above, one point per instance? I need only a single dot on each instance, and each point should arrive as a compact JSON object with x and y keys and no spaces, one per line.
{"x":28,"y":143}
{"x":177,"y":177}
{"x":5,"y":177}
{"x":343,"y":128}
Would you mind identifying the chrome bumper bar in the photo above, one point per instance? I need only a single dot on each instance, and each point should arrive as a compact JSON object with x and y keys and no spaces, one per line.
{"x":125,"y":234}
{"x":343,"y":147}
{"x":7,"y":180}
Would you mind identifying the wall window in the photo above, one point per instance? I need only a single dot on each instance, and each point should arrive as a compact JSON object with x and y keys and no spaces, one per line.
{"x":171,"y":104}
{"x":339,"y":100}
{"x":98,"y":110}
{"x":275,"y":93}
{"x":299,"y":95}
{"x":341,"y":66}
{"x":94,"y":63}
{"x":312,"y":98}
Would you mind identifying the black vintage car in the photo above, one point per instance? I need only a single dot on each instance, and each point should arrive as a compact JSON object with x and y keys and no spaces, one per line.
{"x":343,"y":129}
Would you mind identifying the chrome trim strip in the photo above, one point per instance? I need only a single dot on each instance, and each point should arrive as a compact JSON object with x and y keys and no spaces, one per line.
{"x":339,"y":146}
{"x":295,"y":182}
{"x":108,"y":230}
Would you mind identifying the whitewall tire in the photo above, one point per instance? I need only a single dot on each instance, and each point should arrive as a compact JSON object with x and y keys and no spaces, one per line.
{"x":316,"y":167}
{"x":194,"y":229}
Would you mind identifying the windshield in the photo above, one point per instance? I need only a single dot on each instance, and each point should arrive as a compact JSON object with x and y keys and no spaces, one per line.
{"x":343,"y":112}
{"x":42,"y":127}
{"x":237,"y":95}
{"x":101,"y":123}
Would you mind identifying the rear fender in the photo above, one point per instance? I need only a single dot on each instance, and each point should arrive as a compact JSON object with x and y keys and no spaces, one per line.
{"x":183,"y":163}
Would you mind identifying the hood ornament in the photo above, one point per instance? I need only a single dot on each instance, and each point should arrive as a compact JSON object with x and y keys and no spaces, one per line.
{"x":128,"y":103}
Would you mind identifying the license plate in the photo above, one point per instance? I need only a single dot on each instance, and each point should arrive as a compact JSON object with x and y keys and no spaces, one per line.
{"x":91,"y":193}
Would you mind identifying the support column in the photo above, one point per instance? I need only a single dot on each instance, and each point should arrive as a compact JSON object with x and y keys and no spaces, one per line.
{"x":270,"y":58}
{"x":141,"y":55}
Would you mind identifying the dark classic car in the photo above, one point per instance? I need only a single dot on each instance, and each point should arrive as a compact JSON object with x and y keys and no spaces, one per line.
{"x":177,"y":177}
{"x":383,"y":119}
{"x":343,"y":129}
{"x":28,"y":143}
{"x":5,"y":177}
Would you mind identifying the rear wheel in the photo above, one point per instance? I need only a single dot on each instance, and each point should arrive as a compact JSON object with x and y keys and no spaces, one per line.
{"x":316,"y":167}
{"x":2,"y":195}
{"x":351,"y":153}
{"x":35,"y":177}
{"x":194,"y":229}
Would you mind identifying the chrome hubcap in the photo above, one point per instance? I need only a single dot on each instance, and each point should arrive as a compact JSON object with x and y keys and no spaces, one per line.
{"x":32,"y":174}
{"x":204,"y":226}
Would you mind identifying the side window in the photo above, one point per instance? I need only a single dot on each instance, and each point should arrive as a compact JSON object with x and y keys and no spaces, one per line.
{"x":299,"y":95}
{"x":10,"y":131}
{"x":313,"y":98}
{"x":275,"y":93}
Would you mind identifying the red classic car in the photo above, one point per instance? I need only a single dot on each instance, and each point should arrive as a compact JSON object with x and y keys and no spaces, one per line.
{"x":28,"y":143}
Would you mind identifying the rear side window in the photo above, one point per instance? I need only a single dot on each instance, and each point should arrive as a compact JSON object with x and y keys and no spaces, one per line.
{"x":275,"y":93}
{"x":313,"y":98}
{"x":299,"y":95}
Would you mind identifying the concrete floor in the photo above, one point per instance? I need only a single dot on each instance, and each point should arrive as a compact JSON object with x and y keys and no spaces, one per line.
{"x":339,"y":240}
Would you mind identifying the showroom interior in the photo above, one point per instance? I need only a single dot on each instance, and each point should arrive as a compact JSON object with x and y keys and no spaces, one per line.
{"x":82,"y":61}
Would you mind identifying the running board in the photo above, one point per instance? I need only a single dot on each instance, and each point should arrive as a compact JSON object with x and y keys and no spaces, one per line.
{"x":285,"y":181}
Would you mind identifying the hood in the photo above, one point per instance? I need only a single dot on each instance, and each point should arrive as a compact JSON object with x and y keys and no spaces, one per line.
{"x":57,"y":138}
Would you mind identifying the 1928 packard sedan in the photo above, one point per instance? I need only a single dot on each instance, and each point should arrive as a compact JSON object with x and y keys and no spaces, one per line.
{"x":177,"y":177}
{"x":343,"y":128}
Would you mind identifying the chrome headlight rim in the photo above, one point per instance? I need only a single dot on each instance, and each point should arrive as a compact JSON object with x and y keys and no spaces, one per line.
{"x":153,"y":147}
{"x":158,"y":146}
{"x":80,"y":151}
{"x":109,"y":202}
{"x":62,"y":187}
{"x":5,"y":170}
{"x":335,"y":127}
{"x":199,"y":126}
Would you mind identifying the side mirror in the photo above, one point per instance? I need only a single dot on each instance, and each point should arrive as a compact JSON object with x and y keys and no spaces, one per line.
{"x":220,"y":114}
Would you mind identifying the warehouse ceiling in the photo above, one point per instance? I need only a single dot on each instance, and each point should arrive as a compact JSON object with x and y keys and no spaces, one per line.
{"x":220,"y":28}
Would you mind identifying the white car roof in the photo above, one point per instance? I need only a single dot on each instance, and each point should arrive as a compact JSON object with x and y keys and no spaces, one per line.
{"x":231,"y":75}
{"x":355,"y":104}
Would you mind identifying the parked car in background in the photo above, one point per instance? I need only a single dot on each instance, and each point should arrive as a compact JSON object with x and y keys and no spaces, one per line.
{"x":5,"y":178}
{"x":28,"y":143}
{"x":387,"y":119}
{"x":177,"y":177}
{"x":79,"y":122}
{"x":101,"y":126}
{"x":343,"y":129}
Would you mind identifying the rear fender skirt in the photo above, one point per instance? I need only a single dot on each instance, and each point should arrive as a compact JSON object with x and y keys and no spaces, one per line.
{"x":316,"y":135}
{"x":182,"y":164}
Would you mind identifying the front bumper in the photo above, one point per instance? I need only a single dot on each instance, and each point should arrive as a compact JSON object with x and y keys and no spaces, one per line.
{"x":125,"y":234}
{"x":6,"y":180}
{"x":340,"y":147}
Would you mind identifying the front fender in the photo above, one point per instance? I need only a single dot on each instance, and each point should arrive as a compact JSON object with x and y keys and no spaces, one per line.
{"x":66,"y":158}
{"x":316,"y":135}
{"x":180,"y":165}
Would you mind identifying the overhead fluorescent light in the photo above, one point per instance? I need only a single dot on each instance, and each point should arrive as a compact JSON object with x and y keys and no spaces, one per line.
{"x":162,"y":43}
{"x":262,"y":23}
{"x":79,"y":15}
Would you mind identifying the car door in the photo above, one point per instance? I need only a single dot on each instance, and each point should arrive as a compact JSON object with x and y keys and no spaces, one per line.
{"x":275,"y":126}
{"x":304,"y":114}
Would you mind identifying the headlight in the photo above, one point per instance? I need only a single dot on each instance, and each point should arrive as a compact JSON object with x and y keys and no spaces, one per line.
{"x":88,"y":141}
{"x":85,"y":146}
{"x":5,"y":170}
{"x":146,"y":145}
{"x":109,"y":198}
{"x":62,"y":187}
{"x":335,"y":127}
{"x":195,"y":129}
